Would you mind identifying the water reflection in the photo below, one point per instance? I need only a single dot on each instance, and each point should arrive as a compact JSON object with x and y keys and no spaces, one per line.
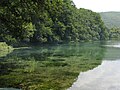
{"x":49,"y":67}
{"x":105,"y":77}
{"x":112,"y":50}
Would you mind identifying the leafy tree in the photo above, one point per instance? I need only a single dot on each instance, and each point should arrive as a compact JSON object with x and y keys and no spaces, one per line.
{"x":48,"y":21}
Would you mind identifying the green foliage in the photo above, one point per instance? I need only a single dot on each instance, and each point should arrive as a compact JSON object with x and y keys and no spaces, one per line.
{"x":114,"y":33}
{"x":5,"y":49}
{"x":47,"y":21}
{"x":91,"y":26}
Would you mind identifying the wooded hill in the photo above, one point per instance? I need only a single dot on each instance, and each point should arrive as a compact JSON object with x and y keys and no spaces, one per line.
{"x":48,"y":21}
{"x":111,"y":19}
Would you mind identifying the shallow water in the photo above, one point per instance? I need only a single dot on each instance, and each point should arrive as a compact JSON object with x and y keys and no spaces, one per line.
{"x":104,"y":77}
{"x":56,"y":67}
{"x":52,"y":67}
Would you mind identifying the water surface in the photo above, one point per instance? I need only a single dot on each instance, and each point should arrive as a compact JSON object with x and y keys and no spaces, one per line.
{"x":47,"y":67}
{"x":104,"y":77}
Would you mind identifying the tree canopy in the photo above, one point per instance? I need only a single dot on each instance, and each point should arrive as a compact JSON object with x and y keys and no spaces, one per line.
{"x":47,"y":21}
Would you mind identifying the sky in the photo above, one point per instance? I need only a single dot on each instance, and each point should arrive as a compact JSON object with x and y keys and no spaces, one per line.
{"x":98,"y":5}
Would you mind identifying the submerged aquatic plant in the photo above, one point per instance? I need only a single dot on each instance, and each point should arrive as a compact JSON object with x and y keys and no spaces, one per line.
{"x":52,"y":67}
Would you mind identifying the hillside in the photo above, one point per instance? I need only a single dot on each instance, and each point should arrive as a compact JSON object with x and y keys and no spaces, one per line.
{"x":111,"y":19}
{"x":46,"y":21}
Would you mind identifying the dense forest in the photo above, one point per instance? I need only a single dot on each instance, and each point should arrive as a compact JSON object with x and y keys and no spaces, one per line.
{"x":48,"y":21}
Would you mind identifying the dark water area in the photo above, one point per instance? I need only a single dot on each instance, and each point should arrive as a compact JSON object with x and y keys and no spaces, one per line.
{"x":54,"y":67}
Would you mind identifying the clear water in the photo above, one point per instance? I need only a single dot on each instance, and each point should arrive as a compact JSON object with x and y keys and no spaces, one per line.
{"x":104,"y":77}
{"x":56,"y":67}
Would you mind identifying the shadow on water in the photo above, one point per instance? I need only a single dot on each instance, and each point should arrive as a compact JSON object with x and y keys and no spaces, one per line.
{"x":49,"y":67}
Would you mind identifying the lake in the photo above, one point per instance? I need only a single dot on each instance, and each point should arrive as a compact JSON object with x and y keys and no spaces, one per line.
{"x":104,"y":77}
{"x":56,"y":67}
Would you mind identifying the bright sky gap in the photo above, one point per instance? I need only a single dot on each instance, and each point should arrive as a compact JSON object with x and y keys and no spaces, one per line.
{"x":98,"y":5}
